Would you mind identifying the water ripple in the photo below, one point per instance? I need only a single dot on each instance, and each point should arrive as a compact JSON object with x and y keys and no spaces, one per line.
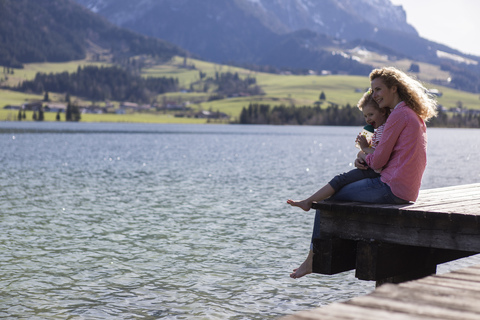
{"x":170,"y":223}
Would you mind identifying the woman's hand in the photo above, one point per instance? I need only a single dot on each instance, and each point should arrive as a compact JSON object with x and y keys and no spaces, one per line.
{"x":360,"y":161}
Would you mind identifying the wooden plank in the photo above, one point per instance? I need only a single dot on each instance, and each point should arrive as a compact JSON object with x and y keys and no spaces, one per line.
{"x":457,"y":201}
{"x":339,"y":311}
{"x":435,"y":233}
{"x":429,"y":296}
{"x":452,"y":283}
{"x":342,"y":311}
{"x":462,"y":276}
{"x":441,"y":290}
{"x":412,"y":308}
{"x":450,"y":189}
{"x":452,"y":193}
{"x":465,"y":206}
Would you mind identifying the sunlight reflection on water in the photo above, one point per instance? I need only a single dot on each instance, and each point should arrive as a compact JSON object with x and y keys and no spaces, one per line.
{"x":165,"y":221}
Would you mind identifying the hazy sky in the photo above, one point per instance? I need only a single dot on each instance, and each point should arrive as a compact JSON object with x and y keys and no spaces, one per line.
{"x":455,"y":23}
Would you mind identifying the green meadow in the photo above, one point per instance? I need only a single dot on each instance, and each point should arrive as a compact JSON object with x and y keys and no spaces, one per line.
{"x":279,"y":90}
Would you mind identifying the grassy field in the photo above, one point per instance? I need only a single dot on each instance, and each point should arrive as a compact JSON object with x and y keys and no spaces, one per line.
{"x":299,"y":90}
{"x":279,"y":89}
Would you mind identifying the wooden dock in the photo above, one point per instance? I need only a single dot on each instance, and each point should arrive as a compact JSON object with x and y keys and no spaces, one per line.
{"x":451,"y":296}
{"x":392,"y":244}
{"x":396,"y":243}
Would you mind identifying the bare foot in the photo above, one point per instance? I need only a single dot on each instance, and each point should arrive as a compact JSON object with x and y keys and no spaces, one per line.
{"x":304,"y":204}
{"x":305,"y":268}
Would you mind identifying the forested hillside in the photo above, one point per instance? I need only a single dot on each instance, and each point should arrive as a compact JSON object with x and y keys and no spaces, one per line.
{"x":61,"y":30}
{"x":100,"y":84}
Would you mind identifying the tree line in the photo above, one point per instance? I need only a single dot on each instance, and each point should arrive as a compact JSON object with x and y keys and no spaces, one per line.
{"x":335,"y":115}
{"x":466,"y":119}
{"x":101,"y":83}
{"x":464,"y":77}
{"x":226,"y":84}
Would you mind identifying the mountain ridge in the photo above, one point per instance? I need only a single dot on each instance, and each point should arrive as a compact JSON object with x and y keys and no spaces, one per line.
{"x":269,"y":32}
{"x":268,"y":20}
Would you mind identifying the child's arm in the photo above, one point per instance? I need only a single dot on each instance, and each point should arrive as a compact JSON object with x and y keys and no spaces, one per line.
{"x":364,"y":144}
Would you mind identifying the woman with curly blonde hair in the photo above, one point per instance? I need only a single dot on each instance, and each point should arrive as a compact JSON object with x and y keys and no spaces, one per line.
{"x":401,"y":154}
{"x":409,"y":90}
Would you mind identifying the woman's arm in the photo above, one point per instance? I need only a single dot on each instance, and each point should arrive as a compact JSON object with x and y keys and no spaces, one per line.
{"x":394,"y":126}
{"x":360,"y":161}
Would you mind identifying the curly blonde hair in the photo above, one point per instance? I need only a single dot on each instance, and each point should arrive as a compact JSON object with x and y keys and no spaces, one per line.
{"x":411,"y":91}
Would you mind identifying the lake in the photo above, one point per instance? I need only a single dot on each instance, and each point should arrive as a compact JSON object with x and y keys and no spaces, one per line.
{"x":144,"y":221}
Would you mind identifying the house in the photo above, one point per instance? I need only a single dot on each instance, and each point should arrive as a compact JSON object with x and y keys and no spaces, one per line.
{"x":128,"y":106}
{"x":435,"y":92}
{"x":32,"y":106}
{"x":204,"y":114}
{"x":55,"y":107}
{"x":93,"y":109}
{"x":9,"y":107}
{"x":134,"y":106}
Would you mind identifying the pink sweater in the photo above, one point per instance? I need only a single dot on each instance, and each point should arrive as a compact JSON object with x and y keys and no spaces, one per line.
{"x":402,"y":152}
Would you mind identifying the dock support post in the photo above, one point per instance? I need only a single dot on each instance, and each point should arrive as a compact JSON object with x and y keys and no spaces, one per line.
{"x":394,"y":263}
{"x":333,"y":255}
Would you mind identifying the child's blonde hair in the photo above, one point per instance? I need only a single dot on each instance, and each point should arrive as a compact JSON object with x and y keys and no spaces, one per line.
{"x":367,"y":99}
{"x":411,"y":91}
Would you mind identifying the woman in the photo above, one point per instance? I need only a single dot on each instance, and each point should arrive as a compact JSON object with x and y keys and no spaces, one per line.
{"x":375,"y":116}
{"x":401,"y":153}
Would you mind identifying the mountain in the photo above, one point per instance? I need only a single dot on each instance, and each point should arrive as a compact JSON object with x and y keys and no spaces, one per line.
{"x":62,"y":30}
{"x":301,"y":34}
{"x":243,"y":30}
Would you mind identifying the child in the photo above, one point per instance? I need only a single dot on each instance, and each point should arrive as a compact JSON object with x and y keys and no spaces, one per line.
{"x":375,"y":116}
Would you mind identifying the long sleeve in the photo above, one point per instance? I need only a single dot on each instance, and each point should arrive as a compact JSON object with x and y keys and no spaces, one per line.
{"x":401,"y":153}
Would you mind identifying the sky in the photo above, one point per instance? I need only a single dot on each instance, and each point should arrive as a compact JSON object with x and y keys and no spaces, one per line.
{"x":455,"y":23}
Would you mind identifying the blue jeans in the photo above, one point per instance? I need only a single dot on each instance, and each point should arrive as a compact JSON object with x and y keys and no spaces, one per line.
{"x":366,"y":190}
{"x":341,"y":180}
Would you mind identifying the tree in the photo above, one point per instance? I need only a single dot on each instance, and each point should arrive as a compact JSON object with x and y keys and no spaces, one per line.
{"x":76,"y":113}
{"x":72,"y":113}
{"x":414,"y":68}
{"x":19,"y":117}
{"x":322,"y":96}
{"x":58,"y":116}
{"x":40,"y":114}
{"x":45,"y":97}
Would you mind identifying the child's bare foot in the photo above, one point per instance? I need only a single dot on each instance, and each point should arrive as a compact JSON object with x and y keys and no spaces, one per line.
{"x":304,"y":204}
{"x":304,"y":269}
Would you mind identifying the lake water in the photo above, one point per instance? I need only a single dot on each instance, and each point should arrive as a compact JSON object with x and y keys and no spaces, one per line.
{"x":129,"y":221}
